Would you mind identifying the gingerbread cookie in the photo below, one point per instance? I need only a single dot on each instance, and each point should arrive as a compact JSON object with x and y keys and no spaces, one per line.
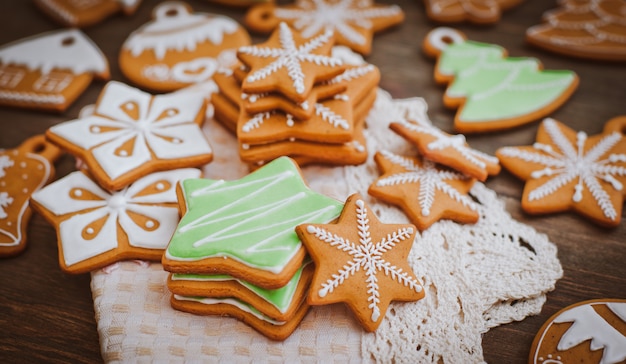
{"x":353,"y":21}
{"x":567,"y":170}
{"x":23,"y":170}
{"x":591,"y":29}
{"x":50,"y":70}
{"x":290,"y":64}
{"x":273,"y":329}
{"x":591,"y":331}
{"x":362,"y":262}
{"x":425,"y":192}
{"x":245,"y":228}
{"x":96,"y":227}
{"x":448,"y":150}
{"x":277,"y":304}
{"x":132,"y":133}
{"x":491,"y":91}
{"x":178,"y":47}
{"x":81,"y":14}
{"x":473,"y":11}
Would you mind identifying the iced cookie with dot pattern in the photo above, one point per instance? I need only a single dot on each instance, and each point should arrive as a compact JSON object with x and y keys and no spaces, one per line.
{"x":23,"y":171}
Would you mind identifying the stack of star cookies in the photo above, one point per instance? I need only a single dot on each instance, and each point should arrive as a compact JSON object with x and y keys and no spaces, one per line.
{"x":235,"y":251}
{"x":291,"y":97}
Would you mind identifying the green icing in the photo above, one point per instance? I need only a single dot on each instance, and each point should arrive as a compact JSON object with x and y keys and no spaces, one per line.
{"x":252,"y":219}
{"x":280,"y":298}
{"x":499,"y":88}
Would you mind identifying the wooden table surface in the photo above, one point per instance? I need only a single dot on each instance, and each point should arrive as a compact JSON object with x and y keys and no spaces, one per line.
{"x":48,"y":316}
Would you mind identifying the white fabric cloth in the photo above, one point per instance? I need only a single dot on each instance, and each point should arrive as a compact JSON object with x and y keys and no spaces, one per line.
{"x":476,"y":277}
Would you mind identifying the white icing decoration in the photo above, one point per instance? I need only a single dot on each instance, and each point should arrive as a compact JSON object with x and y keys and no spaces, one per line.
{"x":63,"y":197}
{"x":47,"y":52}
{"x":32,"y":97}
{"x":290,"y":57}
{"x":5,"y":162}
{"x":181,"y":71}
{"x":322,"y":111}
{"x":587,"y":324}
{"x":168,"y":137}
{"x":343,"y":17}
{"x":430,"y":179}
{"x":233,"y":302}
{"x":489,"y":8}
{"x":180,"y":32}
{"x":456,"y":142}
{"x":569,"y":162}
{"x":5,"y":201}
{"x":16,"y":239}
{"x":366,"y":255}
{"x":439,"y":37}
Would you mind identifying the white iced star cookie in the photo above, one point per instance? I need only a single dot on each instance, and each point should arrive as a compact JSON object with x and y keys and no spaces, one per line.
{"x":568,"y":170}
{"x":362,"y":262}
{"x":132,"y":133}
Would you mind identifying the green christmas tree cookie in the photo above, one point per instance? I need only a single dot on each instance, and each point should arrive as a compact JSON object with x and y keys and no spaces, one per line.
{"x":493,"y":91}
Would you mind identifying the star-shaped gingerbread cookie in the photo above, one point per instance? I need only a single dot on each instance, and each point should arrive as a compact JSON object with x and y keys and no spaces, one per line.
{"x":362,"y":262}
{"x":425,"y":192}
{"x":568,"y":170}
{"x":289,"y":64}
{"x":353,"y":21}
{"x":449,"y":150}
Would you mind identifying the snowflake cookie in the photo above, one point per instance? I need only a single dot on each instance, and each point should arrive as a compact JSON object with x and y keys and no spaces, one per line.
{"x":425,"y":192}
{"x":473,"y":11}
{"x":568,"y":170}
{"x":449,"y":150}
{"x":132,"y":133}
{"x":23,"y":171}
{"x":493,"y":91}
{"x":353,"y":21}
{"x":362,"y":262}
{"x":290,"y":64}
{"x":96,"y":227}
{"x":591,"y":331}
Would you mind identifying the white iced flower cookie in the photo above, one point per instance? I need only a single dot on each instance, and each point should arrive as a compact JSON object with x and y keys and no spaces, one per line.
{"x":96,"y":227}
{"x":132,"y":133}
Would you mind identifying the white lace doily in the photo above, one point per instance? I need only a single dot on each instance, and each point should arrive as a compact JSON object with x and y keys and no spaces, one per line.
{"x":475,"y":276}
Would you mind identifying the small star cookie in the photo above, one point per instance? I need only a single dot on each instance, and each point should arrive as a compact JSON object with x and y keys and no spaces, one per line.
{"x":353,"y":21}
{"x":362,"y":262}
{"x":424,"y":191}
{"x":568,"y":170}
{"x":289,"y":64}
{"x":449,"y":150}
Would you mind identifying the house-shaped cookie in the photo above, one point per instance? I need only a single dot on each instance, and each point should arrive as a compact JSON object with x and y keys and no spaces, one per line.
{"x":84,"y":13}
{"x":50,"y":70}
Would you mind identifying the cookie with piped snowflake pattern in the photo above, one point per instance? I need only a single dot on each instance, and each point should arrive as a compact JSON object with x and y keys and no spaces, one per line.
{"x":425,"y":191}
{"x":362,"y":262}
{"x":473,"y":11}
{"x":353,"y":21}
{"x":289,"y":64}
{"x":568,"y":170}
